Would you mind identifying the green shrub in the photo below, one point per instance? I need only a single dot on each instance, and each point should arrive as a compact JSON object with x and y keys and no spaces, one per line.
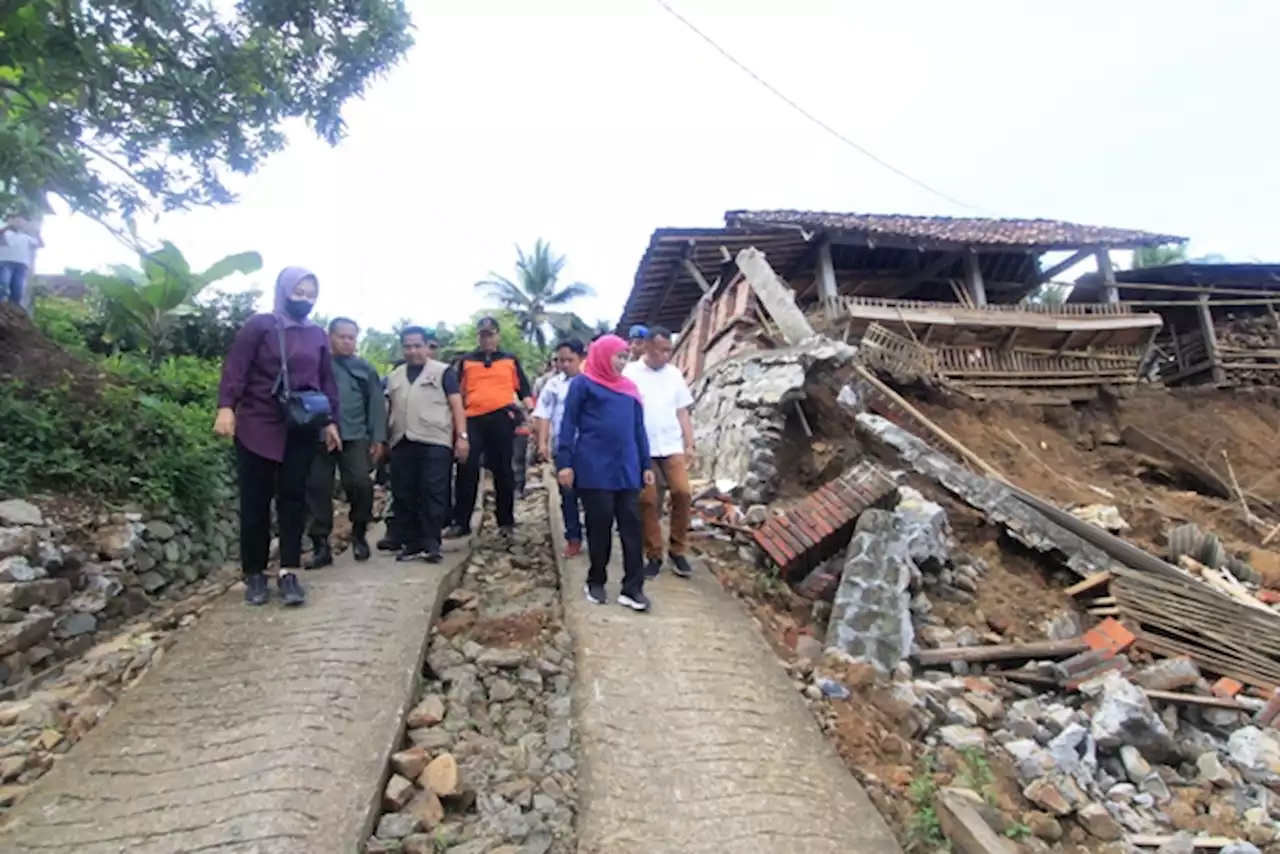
{"x":127,"y":445}
{"x":65,"y":322}
{"x":184,"y":380}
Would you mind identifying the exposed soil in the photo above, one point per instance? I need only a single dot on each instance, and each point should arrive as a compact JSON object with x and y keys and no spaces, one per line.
{"x":1066,"y":454}
{"x":29,"y":358}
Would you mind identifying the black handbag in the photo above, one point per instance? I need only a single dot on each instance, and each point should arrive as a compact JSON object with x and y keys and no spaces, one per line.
{"x":302,"y":410}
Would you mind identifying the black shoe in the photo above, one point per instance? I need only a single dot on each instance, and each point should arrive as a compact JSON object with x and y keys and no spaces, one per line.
{"x":653,"y":568}
{"x":411,"y":553}
{"x":433,"y":555}
{"x":634,"y":601}
{"x":456,"y":532}
{"x":321,"y":555}
{"x":359,"y":546}
{"x":256,"y":591}
{"x":291,"y":592}
{"x":680,"y":566}
{"x":595,"y":594}
{"x":388,"y":544}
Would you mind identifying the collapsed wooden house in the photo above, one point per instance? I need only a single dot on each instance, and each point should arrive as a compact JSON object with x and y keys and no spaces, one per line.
{"x":1220,"y":321}
{"x":953,"y":295}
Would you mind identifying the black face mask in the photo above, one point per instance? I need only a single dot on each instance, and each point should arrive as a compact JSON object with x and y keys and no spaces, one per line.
{"x":298,"y":308}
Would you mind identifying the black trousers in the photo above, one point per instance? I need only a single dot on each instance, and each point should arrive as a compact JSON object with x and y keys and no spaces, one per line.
{"x":520,"y":461}
{"x":262,"y":480}
{"x":353,"y":466}
{"x":492,"y":436}
{"x":420,"y":489}
{"x":602,"y":508}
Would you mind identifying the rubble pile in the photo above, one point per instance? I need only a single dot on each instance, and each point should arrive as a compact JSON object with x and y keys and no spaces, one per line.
{"x":488,"y":762}
{"x":1102,"y":743}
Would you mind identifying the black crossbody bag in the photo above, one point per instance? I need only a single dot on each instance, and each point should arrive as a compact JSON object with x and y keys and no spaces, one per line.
{"x":302,"y":410}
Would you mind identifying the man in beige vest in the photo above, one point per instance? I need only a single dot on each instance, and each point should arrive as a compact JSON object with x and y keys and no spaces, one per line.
{"x":427,"y":428}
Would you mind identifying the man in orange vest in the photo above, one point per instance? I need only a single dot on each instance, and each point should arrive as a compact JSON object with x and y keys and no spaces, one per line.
{"x":491,"y":381}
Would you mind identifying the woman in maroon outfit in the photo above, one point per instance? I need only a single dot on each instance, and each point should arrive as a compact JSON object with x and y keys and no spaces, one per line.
{"x":273,"y":460}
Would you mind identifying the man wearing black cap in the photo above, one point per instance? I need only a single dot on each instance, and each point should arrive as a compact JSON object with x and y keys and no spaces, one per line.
{"x":491,"y":381}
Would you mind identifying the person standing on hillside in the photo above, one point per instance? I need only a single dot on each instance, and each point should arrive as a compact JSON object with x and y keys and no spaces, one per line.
{"x":279,"y":399}
{"x":17,"y":250}
{"x":491,"y":380}
{"x":428,"y":431}
{"x":363,"y":429}
{"x":548,"y":415}
{"x":602,"y":453}
{"x":669,"y":427}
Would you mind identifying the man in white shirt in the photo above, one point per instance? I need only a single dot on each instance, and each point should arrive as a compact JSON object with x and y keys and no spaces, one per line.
{"x":17,"y":248}
{"x":547,"y":417}
{"x":669,"y":425}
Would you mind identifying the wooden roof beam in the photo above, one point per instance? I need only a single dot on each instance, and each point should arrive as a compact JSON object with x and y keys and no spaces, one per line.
{"x":1062,"y":267}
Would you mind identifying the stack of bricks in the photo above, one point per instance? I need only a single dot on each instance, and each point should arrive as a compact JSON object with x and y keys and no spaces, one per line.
{"x":821,"y":525}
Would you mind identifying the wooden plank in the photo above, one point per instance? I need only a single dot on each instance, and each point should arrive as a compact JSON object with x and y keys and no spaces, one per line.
{"x":963,"y":316}
{"x":1002,"y":652}
{"x":1062,"y":266}
{"x":1196,"y":700}
{"x":1096,"y":580}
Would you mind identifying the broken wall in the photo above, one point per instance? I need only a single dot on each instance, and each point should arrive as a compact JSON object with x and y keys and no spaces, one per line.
{"x":741,"y":408}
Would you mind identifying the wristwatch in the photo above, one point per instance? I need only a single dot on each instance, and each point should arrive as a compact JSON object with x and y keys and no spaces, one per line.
{"x":464,"y":437}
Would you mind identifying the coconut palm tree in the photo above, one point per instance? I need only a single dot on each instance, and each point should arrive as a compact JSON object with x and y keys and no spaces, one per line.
{"x":535,"y":296}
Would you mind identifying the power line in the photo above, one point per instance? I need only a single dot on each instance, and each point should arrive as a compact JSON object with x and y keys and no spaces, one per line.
{"x":810,"y":116}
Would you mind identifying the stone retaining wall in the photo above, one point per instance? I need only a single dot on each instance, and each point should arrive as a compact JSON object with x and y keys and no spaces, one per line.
{"x":61,"y":585}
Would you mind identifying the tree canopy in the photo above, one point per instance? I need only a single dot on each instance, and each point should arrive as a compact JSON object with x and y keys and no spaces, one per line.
{"x":118,"y":106}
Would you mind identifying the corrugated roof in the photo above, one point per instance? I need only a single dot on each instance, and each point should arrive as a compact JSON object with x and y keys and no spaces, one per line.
{"x":930,"y":231}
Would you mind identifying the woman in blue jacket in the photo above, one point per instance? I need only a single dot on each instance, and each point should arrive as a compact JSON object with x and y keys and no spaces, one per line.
{"x":604,"y":455}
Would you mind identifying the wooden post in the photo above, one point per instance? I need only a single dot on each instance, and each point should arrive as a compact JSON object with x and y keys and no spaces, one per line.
{"x":1110,"y":293}
{"x":825,"y":275}
{"x":1210,"y":340}
{"x":973,"y":279}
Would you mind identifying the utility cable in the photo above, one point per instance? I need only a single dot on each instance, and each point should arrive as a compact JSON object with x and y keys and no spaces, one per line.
{"x":811,"y":117}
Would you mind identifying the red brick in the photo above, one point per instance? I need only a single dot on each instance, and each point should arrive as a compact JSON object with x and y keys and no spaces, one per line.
{"x":1109,"y":634}
{"x":802,"y":537}
{"x":831,"y":507}
{"x":818,"y":521}
{"x":1227,"y":688}
{"x":800,"y":527}
{"x":807,"y":518}
{"x":783,"y":533}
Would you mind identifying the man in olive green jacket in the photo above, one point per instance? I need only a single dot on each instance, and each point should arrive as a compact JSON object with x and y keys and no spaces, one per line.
{"x":363,"y":428}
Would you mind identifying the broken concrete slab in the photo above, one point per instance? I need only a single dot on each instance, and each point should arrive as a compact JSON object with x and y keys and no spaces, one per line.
{"x":1025,"y":524}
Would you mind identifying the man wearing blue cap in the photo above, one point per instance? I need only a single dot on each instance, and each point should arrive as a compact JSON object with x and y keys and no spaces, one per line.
{"x":638,"y":336}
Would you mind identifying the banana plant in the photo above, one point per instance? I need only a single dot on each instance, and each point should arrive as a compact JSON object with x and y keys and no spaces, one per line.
{"x":143,"y":302}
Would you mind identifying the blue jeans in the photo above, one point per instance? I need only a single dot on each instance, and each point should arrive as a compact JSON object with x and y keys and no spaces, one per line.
{"x":13,"y":280}
{"x":569,"y":509}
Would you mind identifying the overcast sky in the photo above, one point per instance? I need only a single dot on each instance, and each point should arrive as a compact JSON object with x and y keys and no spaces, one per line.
{"x":514,"y":120}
